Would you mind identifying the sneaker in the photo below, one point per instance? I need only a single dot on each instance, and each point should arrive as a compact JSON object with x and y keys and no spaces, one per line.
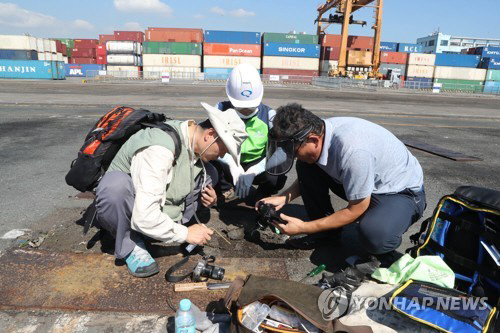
{"x":310,"y":242}
{"x":140,"y":263}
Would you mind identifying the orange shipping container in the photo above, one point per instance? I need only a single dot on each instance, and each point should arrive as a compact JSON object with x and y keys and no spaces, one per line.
{"x":174,"y":35}
{"x":359,"y":58}
{"x":393,"y":57}
{"x":248,"y":50}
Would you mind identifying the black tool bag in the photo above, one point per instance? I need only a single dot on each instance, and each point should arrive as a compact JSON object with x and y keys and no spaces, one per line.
{"x":465,"y":231}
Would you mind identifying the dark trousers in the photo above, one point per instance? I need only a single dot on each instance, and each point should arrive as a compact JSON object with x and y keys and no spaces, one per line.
{"x":267,"y":184}
{"x":381,"y":226}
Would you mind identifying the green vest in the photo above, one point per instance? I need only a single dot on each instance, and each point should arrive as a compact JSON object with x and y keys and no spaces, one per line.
{"x":180,"y":185}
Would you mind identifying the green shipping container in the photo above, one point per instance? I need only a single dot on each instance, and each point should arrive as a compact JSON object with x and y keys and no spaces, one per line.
{"x":461,"y":85}
{"x":171,"y":48}
{"x":272,"y":37}
{"x":493,"y":75}
{"x":70,"y":44}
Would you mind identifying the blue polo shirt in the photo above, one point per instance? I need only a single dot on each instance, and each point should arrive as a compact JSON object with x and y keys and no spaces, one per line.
{"x":366,"y":158}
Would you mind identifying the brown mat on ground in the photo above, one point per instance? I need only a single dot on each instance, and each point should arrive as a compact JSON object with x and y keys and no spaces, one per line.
{"x":36,"y":279}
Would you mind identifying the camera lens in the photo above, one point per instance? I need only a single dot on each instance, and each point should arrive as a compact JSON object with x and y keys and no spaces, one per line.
{"x":213,"y":272}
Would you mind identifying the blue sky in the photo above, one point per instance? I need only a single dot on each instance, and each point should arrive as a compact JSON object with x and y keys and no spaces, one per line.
{"x":403,"y":20}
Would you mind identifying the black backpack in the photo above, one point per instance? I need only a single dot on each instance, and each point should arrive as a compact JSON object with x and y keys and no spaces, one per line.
{"x":105,"y":139}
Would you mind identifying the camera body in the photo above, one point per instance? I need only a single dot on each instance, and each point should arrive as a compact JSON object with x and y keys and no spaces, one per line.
{"x":268,"y":214}
{"x":204,"y":271}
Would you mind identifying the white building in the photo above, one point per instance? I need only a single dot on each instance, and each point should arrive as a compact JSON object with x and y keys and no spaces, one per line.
{"x":441,"y":43}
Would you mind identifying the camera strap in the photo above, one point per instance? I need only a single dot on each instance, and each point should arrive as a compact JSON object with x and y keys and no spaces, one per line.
{"x":175,"y":267}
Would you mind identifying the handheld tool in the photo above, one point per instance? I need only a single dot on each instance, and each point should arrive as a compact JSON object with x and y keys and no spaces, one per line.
{"x":314,"y":272}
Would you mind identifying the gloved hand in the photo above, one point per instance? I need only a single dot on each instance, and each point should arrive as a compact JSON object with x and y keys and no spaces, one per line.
{"x":236,"y":170}
{"x":244,"y":183}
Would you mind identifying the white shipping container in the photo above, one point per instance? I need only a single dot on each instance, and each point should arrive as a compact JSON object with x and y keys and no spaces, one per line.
{"x":46,"y":45}
{"x":10,"y":42}
{"x":48,"y":56}
{"x":420,"y":71}
{"x":421,"y":59}
{"x":155,"y":73}
{"x":460,"y":73}
{"x":39,"y":45}
{"x":41,"y":55}
{"x":327,"y":65}
{"x":123,"y":59}
{"x":65,"y":59}
{"x":131,"y":72}
{"x":171,"y":60}
{"x":53,"y":46}
{"x":213,"y":61}
{"x":60,"y":57}
{"x":310,"y":64}
{"x":123,"y":47}
{"x":172,"y":69}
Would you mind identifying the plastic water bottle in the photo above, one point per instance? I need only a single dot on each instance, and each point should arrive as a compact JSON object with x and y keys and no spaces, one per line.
{"x":184,"y":318}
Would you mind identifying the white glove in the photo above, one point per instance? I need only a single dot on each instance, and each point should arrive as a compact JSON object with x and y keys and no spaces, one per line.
{"x":243,"y":184}
{"x":236,"y":170}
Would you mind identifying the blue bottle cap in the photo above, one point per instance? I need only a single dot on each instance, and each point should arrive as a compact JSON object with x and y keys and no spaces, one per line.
{"x":185,"y":305}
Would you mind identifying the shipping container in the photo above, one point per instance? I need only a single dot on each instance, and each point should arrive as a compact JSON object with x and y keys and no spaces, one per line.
{"x":419,"y":79}
{"x":326,"y":65}
{"x":58,"y":46}
{"x":53,"y":46}
{"x":41,"y":56}
{"x":18,"y":55}
{"x":388,"y":46}
{"x":242,"y":50}
{"x":418,"y":83}
{"x":105,"y":38}
{"x":130,"y":72}
{"x":58,"y":68}
{"x":421,"y":59}
{"x":384,"y":68}
{"x":85,"y":43}
{"x":330,"y":40}
{"x":134,"y":36}
{"x":64,"y":49}
{"x":409,"y":48}
{"x":489,"y":52}
{"x":178,"y":60}
{"x":101,"y":60}
{"x":101,"y":51}
{"x":65,"y":60}
{"x":172,"y":69}
{"x":123,"y":47}
{"x":290,"y":76}
{"x":59,"y":57}
{"x":353,"y":42}
{"x":172,"y":48}
{"x":48,"y":56}
{"x":292,"y":72}
{"x":457,"y":60}
{"x":82,"y":61}
{"x":174,"y":35}
{"x":46,"y":46}
{"x":291,"y":50}
{"x":70,"y":43}
{"x":459,"y":73}
{"x":330,"y":53}
{"x":492,"y":87}
{"x":232,"y":37}
{"x":26,"y":69}
{"x":272,"y":37}
{"x":10,"y":42}
{"x":216,"y":73}
{"x":81,"y":70}
{"x":420,"y":71}
{"x":393,"y":57}
{"x":83,"y":53}
{"x":123,"y":59}
{"x":229,"y":61}
{"x":290,"y":63}
{"x":493,"y":75}
{"x":359,"y":58}
{"x":490,"y":63}
{"x":460,"y":85}
{"x":40,"y":45}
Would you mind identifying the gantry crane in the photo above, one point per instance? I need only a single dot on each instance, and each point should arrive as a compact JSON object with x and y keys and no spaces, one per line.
{"x":345,"y":8}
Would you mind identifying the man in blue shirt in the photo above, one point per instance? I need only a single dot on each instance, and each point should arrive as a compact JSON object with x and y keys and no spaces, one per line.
{"x":361,"y":162}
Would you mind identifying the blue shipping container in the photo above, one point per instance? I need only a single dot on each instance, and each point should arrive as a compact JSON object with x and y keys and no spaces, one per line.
{"x":490,"y":63}
{"x":409,"y":48}
{"x":388,"y":46}
{"x":18,"y":55}
{"x":76,"y":70}
{"x":418,"y":79}
{"x":489,"y":52}
{"x":418,"y":83}
{"x":61,"y":71}
{"x":457,"y":60}
{"x":232,"y":37}
{"x":292,"y":50}
{"x":26,"y":69}
{"x":492,"y":87}
{"x":217,"y":73}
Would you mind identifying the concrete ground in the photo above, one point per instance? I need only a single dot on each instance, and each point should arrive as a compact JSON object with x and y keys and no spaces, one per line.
{"x":42,"y":126}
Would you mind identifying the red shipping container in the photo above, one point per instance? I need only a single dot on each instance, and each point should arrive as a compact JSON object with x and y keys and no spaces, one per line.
{"x":85,"y":43}
{"x":329,"y":40}
{"x":174,"y":35}
{"x":133,"y":36}
{"x":101,"y":60}
{"x":301,"y":72}
{"x":58,"y":46}
{"x":330,"y":53}
{"x":64,"y":49}
{"x":105,"y":38}
{"x":82,"y":61}
{"x":247,"y":50}
{"x":83,"y":53}
{"x":101,"y":50}
{"x":362,"y":43}
{"x":393,"y":57}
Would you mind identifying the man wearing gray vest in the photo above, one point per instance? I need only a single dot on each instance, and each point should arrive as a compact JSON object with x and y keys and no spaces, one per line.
{"x":146,"y":191}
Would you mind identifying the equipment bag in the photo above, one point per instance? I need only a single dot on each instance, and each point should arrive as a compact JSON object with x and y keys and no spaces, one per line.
{"x":444,"y":309}
{"x":105,"y":139}
{"x":465,"y":231}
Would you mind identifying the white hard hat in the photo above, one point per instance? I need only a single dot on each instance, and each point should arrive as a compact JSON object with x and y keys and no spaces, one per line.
{"x":229,"y":127}
{"x":244,"y":87}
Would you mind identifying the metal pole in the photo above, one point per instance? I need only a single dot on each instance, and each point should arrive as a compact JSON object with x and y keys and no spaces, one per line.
{"x":377,"y":33}
{"x":346,"y":7}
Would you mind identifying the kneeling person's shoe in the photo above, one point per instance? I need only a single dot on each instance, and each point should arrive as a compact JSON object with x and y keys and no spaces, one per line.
{"x":140,"y":263}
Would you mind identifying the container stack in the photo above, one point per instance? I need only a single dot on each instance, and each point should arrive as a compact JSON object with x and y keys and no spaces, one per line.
{"x":101,"y":54}
{"x":84,"y":52}
{"x":290,"y":54}
{"x":388,"y":47}
{"x":490,"y":60}
{"x":223,"y":50}
{"x":420,"y":70}
{"x":395,"y":61}
{"x":172,"y":50}
{"x":330,"y":52}
{"x":19,"y":58}
{"x":124,"y":58}
{"x":459,"y":72}
{"x":68,"y":44}
{"x":409,"y":48}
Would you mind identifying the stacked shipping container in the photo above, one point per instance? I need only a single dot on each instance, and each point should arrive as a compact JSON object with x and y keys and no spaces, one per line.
{"x":420,"y":70}
{"x":491,"y":62}
{"x":223,"y":50}
{"x":290,"y":54}
{"x":173,"y":50}
{"x":459,"y":72}
{"x":395,"y":61}
{"x":330,"y":51}
{"x":124,"y":56}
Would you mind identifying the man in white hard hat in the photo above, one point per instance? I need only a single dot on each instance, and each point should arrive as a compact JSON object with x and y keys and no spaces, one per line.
{"x":244,"y":90}
{"x":148,"y":192}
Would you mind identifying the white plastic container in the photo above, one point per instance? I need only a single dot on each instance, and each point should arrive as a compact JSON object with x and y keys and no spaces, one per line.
{"x":254,"y":314}
{"x":184,"y":318}
{"x":213,"y":61}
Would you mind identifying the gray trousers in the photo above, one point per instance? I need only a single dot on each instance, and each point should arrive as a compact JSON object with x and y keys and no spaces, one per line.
{"x":115,"y":200}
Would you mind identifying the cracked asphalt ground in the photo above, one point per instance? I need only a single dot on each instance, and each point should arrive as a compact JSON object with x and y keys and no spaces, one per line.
{"x":42,"y":126}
